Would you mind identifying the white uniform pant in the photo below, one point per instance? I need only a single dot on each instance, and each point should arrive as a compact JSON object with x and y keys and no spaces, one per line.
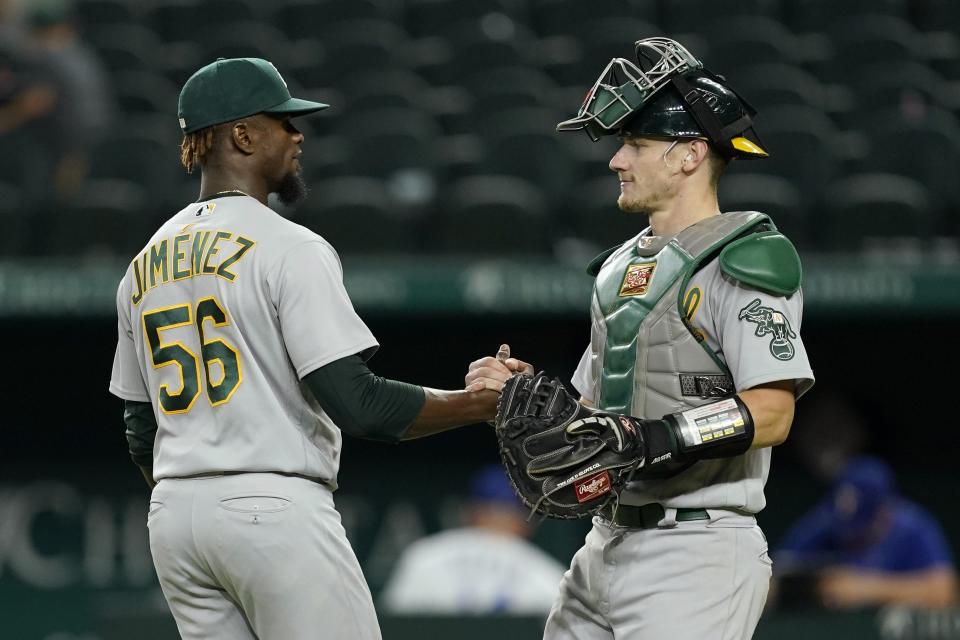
{"x":695,"y":580}
{"x":257,"y":555}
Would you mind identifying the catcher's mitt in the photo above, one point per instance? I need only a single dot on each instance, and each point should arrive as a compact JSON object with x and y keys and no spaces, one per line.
{"x":565,"y":460}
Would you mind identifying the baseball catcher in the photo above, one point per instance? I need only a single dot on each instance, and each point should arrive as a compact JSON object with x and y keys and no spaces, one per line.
{"x":690,"y":377}
{"x":567,"y":460}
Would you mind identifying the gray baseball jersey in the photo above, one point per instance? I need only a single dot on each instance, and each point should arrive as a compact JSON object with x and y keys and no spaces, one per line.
{"x":220,"y":316}
{"x":729,"y":315}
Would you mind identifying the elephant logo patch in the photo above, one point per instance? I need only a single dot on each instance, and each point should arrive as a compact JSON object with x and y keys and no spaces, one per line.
{"x":772,"y":322}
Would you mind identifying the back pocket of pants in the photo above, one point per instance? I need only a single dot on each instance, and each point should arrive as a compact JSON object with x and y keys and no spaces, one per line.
{"x":256,"y":503}
{"x":155,"y":507}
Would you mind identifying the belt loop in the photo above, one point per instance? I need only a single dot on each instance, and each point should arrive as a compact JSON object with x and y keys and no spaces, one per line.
{"x":669,"y":520}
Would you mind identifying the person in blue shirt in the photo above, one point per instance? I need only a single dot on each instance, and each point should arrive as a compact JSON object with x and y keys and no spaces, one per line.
{"x":869,"y":546}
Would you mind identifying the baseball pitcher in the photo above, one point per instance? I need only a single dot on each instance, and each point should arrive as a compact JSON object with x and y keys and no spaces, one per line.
{"x":241,"y":361}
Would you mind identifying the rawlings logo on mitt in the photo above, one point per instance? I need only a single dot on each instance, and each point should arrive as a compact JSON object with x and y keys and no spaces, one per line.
{"x":565,"y":460}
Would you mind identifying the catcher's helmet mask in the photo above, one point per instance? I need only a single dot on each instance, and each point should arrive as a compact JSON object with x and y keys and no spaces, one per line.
{"x":624,"y":89}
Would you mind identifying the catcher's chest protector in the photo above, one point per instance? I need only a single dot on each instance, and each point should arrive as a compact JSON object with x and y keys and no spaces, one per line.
{"x":645,"y":357}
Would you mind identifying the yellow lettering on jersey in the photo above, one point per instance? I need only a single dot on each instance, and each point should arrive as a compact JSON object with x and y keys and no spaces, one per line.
{"x":170,"y":259}
{"x":196,"y":250}
{"x":179,"y":254}
{"x":158,"y":263}
{"x":245,"y":245}
{"x":214,"y":250}
{"x":140,"y":277}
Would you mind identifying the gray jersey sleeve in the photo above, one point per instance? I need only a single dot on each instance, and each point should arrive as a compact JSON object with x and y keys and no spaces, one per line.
{"x":317,"y":318}
{"x":582,"y":377}
{"x":757,"y":333}
{"x":126,"y":381}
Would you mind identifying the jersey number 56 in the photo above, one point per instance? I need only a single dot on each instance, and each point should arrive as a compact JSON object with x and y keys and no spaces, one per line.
{"x":176,"y":353}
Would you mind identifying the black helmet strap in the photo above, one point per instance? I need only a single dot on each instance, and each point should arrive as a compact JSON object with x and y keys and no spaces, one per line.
{"x":719,"y":134}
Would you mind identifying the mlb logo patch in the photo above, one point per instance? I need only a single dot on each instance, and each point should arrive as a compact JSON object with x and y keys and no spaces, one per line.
{"x":636,"y":281}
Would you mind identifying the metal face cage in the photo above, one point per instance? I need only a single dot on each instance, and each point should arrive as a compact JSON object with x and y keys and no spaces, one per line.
{"x":623,"y":86}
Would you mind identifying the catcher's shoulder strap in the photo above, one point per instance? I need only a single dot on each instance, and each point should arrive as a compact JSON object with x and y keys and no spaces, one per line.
{"x":766,"y":260}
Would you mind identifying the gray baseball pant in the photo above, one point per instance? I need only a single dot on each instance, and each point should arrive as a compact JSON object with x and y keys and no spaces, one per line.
{"x":679,"y":581}
{"x":257,"y":555}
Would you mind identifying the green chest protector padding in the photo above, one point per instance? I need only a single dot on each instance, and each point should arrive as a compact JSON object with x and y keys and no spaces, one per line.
{"x":627,"y":289}
{"x":631,"y":283}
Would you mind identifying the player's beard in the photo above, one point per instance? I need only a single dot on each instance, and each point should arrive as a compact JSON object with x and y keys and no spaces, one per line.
{"x":635,"y":205}
{"x":292,"y":189}
{"x":645,"y":203}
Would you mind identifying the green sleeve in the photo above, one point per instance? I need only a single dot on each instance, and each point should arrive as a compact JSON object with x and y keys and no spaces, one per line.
{"x":141,"y":431}
{"x":363,"y":404}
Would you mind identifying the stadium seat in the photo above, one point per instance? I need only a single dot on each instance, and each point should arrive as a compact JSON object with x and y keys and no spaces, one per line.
{"x":142,"y":92}
{"x":804,"y":16}
{"x":141,"y":154}
{"x":349,"y":48}
{"x":938,"y":15}
{"x":566,"y":17}
{"x":212,"y":12}
{"x":803,"y":145}
{"x":124,"y":47}
{"x":524,"y":143}
{"x":176,"y":20}
{"x":110,"y":217}
{"x":499,"y":88}
{"x":675,"y":15}
{"x":768,"y":85}
{"x":385,"y":141}
{"x":385,"y":88}
{"x":491,"y":215}
{"x":876,"y":205}
{"x":94,"y":14}
{"x":432,"y":18}
{"x":745,"y":40}
{"x":496,"y":40}
{"x":885,"y":85}
{"x":592,"y":214}
{"x":177,"y":61}
{"x":871,"y":39}
{"x":923,"y":144}
{"x":356,"y":214}
{"x":772,"y":195}
{"x":308,"y":18}
{"x":598,"y":41}
{"x":251,"y":39}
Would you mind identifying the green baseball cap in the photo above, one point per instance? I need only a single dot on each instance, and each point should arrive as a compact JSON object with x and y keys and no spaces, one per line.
{"x":233,"y":88}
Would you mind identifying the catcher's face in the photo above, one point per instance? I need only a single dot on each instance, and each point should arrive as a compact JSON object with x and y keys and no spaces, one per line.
{"x":648,"y":172}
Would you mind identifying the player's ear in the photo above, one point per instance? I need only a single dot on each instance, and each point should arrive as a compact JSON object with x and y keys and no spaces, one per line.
{"x":243,"y":136}
{"x":697,"y":152}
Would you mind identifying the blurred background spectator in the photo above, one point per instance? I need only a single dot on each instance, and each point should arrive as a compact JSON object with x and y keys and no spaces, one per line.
{"x":486,"y":567}
{"x":82,"y":108}
{"x":865,"y":545}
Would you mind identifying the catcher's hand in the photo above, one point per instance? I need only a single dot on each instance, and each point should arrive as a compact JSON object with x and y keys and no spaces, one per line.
{"x":565,"y":460}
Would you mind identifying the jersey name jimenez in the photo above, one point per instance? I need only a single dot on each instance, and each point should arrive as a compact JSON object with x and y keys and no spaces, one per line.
{"x":187,"y":255}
